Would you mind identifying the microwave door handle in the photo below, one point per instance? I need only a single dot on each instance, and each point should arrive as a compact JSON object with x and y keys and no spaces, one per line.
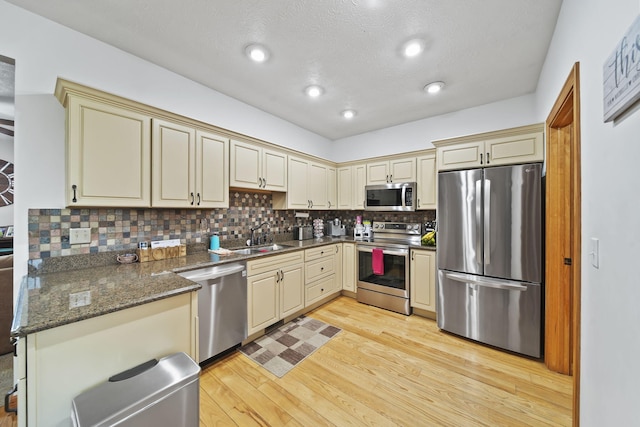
{"x":404,"y":196}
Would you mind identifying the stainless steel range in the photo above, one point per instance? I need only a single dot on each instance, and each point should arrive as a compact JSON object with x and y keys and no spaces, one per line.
{"x":383,"y":265}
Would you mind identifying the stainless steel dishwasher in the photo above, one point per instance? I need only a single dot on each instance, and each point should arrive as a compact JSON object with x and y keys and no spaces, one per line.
{"x":222,"y":307}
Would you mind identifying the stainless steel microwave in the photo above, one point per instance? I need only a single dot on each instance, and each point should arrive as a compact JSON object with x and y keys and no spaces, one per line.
{"x":390,"y":197}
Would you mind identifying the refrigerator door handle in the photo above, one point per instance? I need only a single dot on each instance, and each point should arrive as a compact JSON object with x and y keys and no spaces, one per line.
{"x":478,"y":216}
{"x":487,"y":222}
{"x":488,"y":283}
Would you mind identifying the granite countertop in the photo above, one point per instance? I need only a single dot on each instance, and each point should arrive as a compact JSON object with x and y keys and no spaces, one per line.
{"x":44,"y":299}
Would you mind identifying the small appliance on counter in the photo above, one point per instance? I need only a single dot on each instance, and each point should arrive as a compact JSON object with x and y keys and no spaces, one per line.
{"x":302,"y":232}
{"x":362,"y":230}
{"x":336,"y":229}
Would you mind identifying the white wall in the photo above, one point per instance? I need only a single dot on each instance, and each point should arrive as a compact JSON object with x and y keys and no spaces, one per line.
{"x":588,"y":31}
{"x":418,"y":135}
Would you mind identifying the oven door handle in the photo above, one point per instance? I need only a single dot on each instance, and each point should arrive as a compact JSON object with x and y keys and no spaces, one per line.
{"x":401,"y":252}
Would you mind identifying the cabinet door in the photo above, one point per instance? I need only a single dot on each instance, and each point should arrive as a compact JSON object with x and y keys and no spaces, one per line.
{"x":245,"y":165}
{"x":349,"y":267}
{"x":263,"y":300}
{"x":378,"y":173}
{"x":108,"y":155}
{"x":402,"y":170}
{"x":332,"y":188}
{"x":427,"y":181}
{"x":345,"y":188}
{"x":297,"y":196}
{"x":291,"y":290}
{"x":274,"y":170}
{"x":338,"y":265}
{"x":317,"y":186}
{"x":359,"y":182}
{"x":423,"y":279}
{"x":173,"y":165}
{"x":460,"y":156}
{"x":212,"y":170}
{"x":514,"y":149}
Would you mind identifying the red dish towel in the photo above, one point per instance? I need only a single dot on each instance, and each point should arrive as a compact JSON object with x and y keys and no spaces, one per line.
{"x":377,"y":261}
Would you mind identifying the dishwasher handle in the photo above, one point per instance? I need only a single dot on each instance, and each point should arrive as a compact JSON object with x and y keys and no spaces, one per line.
{"x":211,"y":273}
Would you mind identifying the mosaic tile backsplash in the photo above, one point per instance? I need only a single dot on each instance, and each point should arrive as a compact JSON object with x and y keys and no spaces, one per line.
{"x":122,"y":229}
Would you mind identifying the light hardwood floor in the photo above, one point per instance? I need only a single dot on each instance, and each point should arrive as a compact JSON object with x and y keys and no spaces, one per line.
{"x":385,"y":369}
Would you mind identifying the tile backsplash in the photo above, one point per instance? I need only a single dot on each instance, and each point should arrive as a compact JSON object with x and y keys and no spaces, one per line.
{"x":123,"y":228}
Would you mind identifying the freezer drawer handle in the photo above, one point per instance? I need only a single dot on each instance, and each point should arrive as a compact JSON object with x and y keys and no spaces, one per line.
{"x":7,"y":408}
{"x":489,"y":283}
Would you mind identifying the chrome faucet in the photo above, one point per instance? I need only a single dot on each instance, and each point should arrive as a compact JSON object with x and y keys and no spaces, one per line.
{"x":253,"y":229}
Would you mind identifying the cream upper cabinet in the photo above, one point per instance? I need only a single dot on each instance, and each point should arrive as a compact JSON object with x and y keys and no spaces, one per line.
{"x":345,"y":188}
{"x":311,"y":185}
{"x":426,"y":167}
{"x":359,"y":173}
{"x":256,"y":167}
{"x":388,"y":171}
{"x":349,"y":267}
{"x":510,"y":146}
{"x":190,"y":167}
{"x":351,"y":183}
{"x":108,"y":154}
{"x":332,"y":188}
{"x":423,"y":279}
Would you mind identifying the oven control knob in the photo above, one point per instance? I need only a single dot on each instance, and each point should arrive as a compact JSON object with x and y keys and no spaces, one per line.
{"x":379,"y":225}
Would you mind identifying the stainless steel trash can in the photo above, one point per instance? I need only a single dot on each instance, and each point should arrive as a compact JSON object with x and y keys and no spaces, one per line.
{"x":163,"y":392}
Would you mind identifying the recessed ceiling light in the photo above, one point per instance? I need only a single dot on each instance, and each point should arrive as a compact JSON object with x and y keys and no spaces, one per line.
{"x":257,"y":53}
{"x":348,"y":114}
{"x":433,"y":88}
{"x":413,"y":48}
{"x":314,"y":91}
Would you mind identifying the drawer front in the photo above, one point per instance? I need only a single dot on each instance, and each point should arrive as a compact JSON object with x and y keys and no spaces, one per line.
{"x":265,"y":263}
{"x":320,"y":289}
{"x":318,"y":253}
{"x":317,"y":269}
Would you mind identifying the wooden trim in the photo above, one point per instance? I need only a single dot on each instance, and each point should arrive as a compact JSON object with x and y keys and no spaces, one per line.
{"x":521,"y":130}
{"x":557,"y":118}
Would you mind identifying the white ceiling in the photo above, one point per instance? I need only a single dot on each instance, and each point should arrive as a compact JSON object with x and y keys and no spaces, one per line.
{"x":484,"y":50}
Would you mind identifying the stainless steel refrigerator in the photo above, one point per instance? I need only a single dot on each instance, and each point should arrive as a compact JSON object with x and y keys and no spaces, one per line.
{"x":490,"y":256}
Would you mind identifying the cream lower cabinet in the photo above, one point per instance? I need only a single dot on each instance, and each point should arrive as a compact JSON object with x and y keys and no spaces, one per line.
{"x":257,"y":167}
{"x":349,"y":267}
{"x":65,"y":361}
{"x":320,"y":273}
{"x":426,"y":180}
{"x":422,"y":269}
{"x":190,"y":167}
{"x":510,"y":146}
{"x":275,"y":289}
{"x":108,"y":153}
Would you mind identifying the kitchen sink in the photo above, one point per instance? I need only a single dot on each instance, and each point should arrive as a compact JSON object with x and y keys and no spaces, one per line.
{"x":260,"y":249}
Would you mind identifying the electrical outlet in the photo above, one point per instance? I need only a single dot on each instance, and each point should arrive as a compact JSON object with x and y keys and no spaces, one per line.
{"x":79,"y":299}
{"x":79,"y":235}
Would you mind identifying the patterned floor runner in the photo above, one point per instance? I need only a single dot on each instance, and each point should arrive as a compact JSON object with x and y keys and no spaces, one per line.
{"x":283,"y":348}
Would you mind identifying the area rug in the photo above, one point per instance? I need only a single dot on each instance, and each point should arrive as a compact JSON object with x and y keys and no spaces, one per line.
{"x":282,"y":349}
{"x":6,"y":375}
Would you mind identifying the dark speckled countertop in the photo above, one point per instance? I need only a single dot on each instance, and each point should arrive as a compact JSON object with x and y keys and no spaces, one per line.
{"x":44,"y":299}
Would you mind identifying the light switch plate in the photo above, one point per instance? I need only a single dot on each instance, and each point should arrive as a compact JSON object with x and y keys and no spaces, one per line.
{"x":79,"y":299}
{"x":79,"y":235}
{"x":594,"y":252}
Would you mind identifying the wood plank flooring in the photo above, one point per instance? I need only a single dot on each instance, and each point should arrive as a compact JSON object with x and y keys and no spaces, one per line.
{"x":385,"y":369}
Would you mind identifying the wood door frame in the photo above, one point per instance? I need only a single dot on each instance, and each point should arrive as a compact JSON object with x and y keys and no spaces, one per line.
{"x":565,"y":111}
